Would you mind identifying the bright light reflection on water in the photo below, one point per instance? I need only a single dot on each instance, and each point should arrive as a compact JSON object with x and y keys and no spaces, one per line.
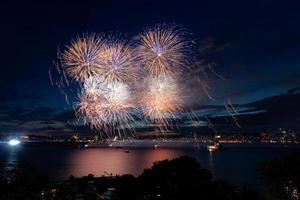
{"x":236,"y":164}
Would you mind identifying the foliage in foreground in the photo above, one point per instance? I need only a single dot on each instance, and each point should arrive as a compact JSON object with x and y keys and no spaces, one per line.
{"x":281,"y":177}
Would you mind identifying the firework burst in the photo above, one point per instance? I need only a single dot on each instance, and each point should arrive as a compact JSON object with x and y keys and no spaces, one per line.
{"x":118,"y":62}
{"x":161,"y":100}
{"x":105,"y":105}
{"x":120,"y":107}
{"x":80,"y":59}
{"x":115,"y":77}
{"x":90,"y":109}
{"x":164,"y":50}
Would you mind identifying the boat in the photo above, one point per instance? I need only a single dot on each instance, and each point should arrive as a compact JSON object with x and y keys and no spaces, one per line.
{"x":214,"y":147}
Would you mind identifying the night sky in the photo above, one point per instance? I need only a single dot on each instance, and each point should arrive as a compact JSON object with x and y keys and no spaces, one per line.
{"x":255,"y":46}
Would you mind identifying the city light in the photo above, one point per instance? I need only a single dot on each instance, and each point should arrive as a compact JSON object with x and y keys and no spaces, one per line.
{"x":14,"y":142}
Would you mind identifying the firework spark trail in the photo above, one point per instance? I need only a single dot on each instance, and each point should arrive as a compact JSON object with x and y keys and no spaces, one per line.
{"x":193,"y":118}
{"x":58,"y":78}
{"x":231,"y":111}
{"x":205,"y":88}
{"x":164,"y":50}
{"x":231,"y":106}
{"x":210,"y":67}
{"x":65,"y":79}
{"x":50,"y":77}
{"x":211,"y":125}
{"x":67,"y":99}
{"x":80,"y":59}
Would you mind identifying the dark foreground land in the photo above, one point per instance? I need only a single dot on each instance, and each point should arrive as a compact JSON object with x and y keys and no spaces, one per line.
{"x":181,"y":178}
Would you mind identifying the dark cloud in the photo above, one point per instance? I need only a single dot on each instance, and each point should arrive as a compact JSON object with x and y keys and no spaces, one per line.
{"x":51,"y":129}
{"x":270,"y":113}
{"x":65,"y":116}
{"x":28,"y":114}
{"x":34,"y":120}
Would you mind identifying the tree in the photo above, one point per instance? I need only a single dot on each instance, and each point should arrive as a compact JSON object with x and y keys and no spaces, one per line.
{"x":281,"y":177}
{"x":184,"y":178}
